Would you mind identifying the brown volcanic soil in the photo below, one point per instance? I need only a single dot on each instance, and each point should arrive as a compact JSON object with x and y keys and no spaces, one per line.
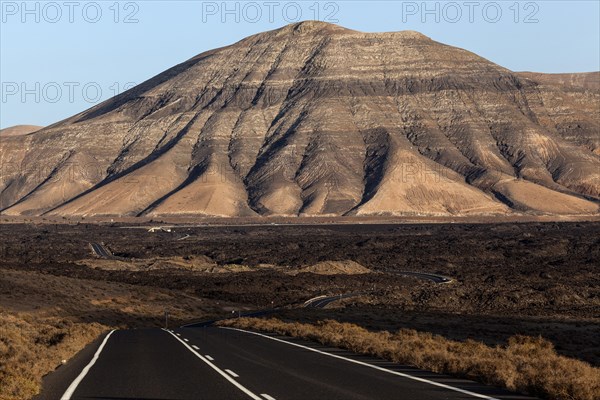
{"x":533,"y":278}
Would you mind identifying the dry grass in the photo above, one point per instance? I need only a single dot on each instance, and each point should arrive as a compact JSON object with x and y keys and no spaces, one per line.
{"x":528,"y":365}
{"x":45,"y":319}
{"x":30,"y":348}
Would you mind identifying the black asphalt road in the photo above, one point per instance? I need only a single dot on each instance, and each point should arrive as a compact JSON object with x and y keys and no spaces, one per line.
{"x":101,"y":251}
{"x":219,"y":363}
{"x":144,"y":364}
{"x":321,"y":302}
{"x":423,"y":275}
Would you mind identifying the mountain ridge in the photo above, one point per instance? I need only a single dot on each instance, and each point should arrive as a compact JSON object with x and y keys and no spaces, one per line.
{"x":316,"y":119}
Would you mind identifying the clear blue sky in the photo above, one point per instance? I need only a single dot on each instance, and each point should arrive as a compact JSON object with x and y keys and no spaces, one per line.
{"x":59,"y":59}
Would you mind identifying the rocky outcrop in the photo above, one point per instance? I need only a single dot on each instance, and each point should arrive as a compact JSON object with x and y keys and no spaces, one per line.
{"x":315,"y":119}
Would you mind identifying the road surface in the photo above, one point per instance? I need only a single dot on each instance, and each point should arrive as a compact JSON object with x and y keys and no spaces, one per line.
{"x":423,"y":275}
{"x":221,"y":363}
{"x":101,"y":251}
{"x":322,"y":301}
{"x":319,"y":301}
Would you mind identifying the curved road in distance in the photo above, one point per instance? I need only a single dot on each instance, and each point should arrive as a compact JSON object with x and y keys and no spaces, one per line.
{"x":322,"y":301}
{"x":423,"y":275}
{"x":101,"y":251}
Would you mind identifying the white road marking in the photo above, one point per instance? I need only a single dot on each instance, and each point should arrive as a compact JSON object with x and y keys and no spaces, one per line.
{"x":389,"y":371}
{"x":266,"y":396}
{"x":178,"y":334}
{"x":220,"y":371}
{"x":209,"y":357}
{"x":77,"y":381}
{"x":230,"y":372}
{"x":309,"y":301}
{"x":186,"y":340}
{"x":195,"y":347}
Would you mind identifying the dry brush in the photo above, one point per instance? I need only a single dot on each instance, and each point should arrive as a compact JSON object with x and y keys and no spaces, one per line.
{"x":525,"y":364}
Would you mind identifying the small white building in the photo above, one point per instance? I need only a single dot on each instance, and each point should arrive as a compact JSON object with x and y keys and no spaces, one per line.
{"x":159,"y":229}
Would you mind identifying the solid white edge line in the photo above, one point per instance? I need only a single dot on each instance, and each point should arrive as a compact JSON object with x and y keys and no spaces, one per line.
{"x":442,"y":385}
{"x":230,"y":372}
{"x":266,"y":396}
{"x":221,"y":372}
{"x":73,"y":386}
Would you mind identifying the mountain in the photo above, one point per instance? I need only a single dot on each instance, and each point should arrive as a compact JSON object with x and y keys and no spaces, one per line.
{"x":585,"y":80}
{"x":316,"y":119}
{"x":19,"y":130}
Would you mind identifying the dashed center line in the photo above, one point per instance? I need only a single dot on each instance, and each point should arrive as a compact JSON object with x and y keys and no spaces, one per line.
{"x":230,"y":372}
{"x":209,"y":357}
{"x":185,"y":339}
{"x":220,"y":371}
{"x":195,"y":347}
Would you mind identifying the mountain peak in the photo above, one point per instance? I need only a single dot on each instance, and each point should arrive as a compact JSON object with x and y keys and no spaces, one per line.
{"x":316,"y":119}
{"x":311,"y":26}
{"x":307,"y":28}
{"x":321,"y":27}
{"x":408,"y":34}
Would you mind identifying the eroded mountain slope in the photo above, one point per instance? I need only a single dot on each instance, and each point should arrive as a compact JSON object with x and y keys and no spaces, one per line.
{"x":315,"y":119}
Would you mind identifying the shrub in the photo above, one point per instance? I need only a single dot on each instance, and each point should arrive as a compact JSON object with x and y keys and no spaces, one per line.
{"x":526,"y":364}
